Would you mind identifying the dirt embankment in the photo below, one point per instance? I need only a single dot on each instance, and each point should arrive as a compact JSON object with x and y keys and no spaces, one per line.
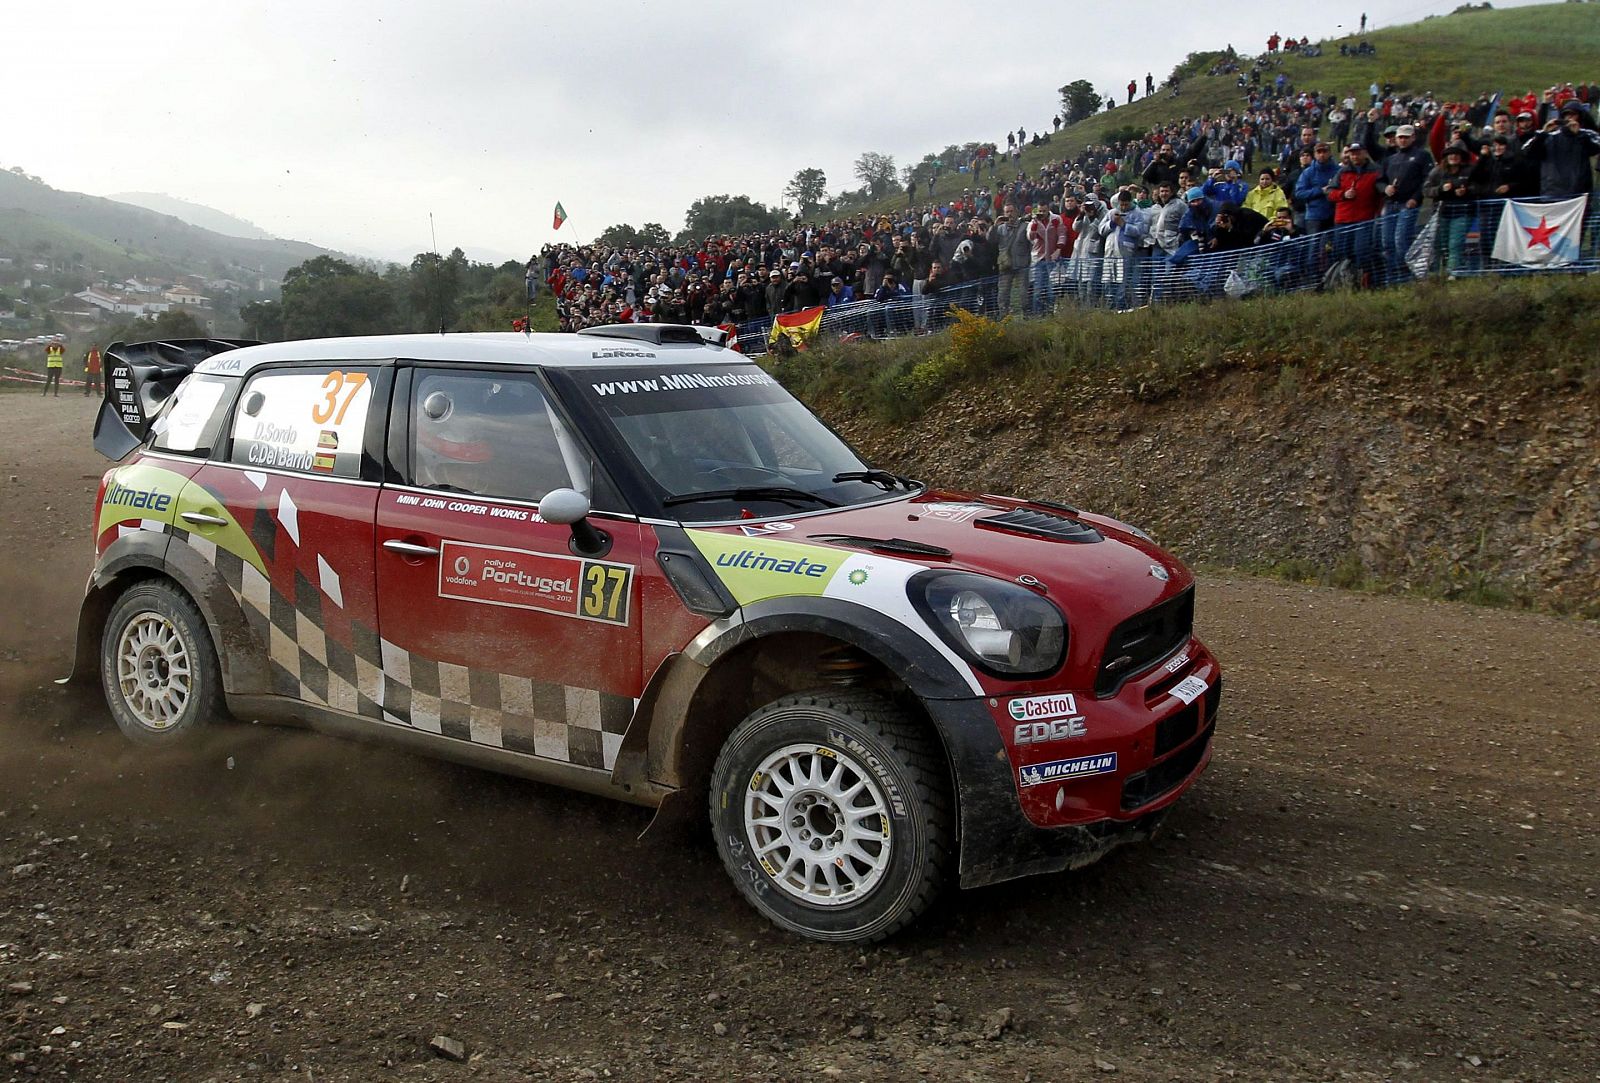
{"x":1455,"y":488}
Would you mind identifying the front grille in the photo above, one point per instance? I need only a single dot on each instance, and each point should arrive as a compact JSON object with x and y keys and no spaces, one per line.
{"x":1141,"y":641}
{"x":1164,"y":777}
{"x":1042,"y":524}
{"x":1172,"y":732}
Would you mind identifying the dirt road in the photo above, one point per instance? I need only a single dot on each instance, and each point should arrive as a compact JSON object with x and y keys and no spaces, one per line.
{"x":1391,"y":871}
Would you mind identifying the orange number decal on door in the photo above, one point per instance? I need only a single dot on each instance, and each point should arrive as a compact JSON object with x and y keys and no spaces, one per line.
{"x":331,"y":408}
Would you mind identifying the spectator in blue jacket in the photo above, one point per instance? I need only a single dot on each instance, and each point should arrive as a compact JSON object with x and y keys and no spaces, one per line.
{"x":1311,"y":188}
{"x":893,"y":314}
{"x":1231,"y":188}
{"x":838,"y":293}
{"x":1194,"y":230}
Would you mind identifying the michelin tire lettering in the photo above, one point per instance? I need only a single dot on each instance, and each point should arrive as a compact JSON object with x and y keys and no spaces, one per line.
{"x":897,"y":803}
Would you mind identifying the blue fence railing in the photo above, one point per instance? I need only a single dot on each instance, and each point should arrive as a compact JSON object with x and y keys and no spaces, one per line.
{"x":1388,"y":251}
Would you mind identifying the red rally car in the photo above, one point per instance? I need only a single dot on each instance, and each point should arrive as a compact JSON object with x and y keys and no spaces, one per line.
{"x":627,"y":561}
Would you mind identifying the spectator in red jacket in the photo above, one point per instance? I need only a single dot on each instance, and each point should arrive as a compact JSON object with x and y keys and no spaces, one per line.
{"x":1356,"y":200}
{"x":1354,"y":193}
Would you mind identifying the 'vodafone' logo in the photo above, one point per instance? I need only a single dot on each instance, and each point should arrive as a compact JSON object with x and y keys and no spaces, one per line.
{"x":463,"y":565}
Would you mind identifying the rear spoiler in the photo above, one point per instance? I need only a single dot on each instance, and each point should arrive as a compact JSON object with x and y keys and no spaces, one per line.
{"x":139,"y":378}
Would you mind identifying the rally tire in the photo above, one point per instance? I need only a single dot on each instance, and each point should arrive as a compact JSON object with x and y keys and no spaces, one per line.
{"x":158,"y":666}
{"x":822,"y":771}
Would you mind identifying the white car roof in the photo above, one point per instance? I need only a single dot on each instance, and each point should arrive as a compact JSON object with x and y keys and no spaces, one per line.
{"x":506,"y":348}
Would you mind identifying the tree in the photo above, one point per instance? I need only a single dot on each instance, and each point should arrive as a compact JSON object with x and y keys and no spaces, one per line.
{"x":1079,"y":100}
{"x":263,"y":320}
{"x":622,"y":235}
{"x":876,"y":171}
{"x":434,"y":290}
{"x":501,"y":300}
{"x":327,"y":296}
{"x":728,"y":214}
{"x":807,"y":189}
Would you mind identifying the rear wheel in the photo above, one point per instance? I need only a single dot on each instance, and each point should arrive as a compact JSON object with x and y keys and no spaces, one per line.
{"x":832,"y":814}
{"x":158,"y":665}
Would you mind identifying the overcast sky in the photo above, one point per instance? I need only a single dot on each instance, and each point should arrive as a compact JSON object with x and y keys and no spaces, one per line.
{"x":346,"y":122}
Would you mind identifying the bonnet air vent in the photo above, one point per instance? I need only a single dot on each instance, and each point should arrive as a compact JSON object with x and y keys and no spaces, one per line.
{"x":660,"y":334}
{"x":1041,"y":524}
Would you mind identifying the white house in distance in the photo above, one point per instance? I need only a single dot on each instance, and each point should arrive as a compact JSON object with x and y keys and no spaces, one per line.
{"x":183,"y":295}
{"x":107,"y":300}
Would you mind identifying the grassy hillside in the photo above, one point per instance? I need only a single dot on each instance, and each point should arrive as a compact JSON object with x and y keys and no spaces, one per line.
{"x":123,"y":239}
{"x":1456,"y":56}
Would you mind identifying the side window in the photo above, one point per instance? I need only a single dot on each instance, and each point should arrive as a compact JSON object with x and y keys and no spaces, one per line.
{"x":488,"y":434}
{"x":311,"y":421}
{"x":191,"y":420}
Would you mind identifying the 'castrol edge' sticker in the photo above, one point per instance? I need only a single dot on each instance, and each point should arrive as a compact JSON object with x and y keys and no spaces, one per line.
{"x":566,"y":586}
{"x":1042,"y":708}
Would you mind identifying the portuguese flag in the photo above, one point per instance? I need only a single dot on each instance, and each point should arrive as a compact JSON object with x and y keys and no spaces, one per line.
{"x":561,"y":216}
{"x":797,"y":327}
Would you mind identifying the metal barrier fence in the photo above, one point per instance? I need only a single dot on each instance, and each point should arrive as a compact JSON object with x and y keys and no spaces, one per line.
{"x":1388,"y":251}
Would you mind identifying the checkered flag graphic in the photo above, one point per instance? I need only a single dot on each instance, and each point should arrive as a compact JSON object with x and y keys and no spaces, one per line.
{"x":377,"y":679}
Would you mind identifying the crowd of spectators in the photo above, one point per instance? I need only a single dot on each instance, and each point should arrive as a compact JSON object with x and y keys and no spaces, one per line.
{"x":1285,"y":163}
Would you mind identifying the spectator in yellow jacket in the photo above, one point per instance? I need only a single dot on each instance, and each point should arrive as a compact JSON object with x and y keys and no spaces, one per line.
{"x":1266,"y":197}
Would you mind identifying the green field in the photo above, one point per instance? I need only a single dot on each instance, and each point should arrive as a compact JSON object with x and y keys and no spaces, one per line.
{"x":1456,"y":56}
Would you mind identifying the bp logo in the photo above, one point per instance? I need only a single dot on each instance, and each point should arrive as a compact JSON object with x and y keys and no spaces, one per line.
{"x":858,"y":577}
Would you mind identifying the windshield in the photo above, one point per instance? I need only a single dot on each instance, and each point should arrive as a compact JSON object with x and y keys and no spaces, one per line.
{"x":717,"y":440}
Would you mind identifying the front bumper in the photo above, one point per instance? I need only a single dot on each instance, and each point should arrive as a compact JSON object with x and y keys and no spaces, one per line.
{"x":1161,"y":746}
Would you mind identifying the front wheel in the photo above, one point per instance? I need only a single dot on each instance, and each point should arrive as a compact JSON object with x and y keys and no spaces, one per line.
{"x":158,"y":665}
{"x":832,"y":814}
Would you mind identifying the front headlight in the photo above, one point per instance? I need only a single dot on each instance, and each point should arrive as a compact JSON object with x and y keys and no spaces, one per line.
{"x":1004,"y":629}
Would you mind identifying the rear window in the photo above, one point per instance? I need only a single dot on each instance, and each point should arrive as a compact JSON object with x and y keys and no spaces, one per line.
{"x":189,"y":423}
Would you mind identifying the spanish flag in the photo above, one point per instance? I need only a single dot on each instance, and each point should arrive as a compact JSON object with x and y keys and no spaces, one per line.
{"x":797,"y":327}
{"x":327,"y":445}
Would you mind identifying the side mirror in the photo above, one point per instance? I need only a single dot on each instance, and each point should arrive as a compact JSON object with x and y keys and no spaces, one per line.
{"x":570,"y":507}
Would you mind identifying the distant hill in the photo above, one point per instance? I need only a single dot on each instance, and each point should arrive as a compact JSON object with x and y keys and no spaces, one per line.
{"x":1457,"y":56}
{"x":121,"y":239}
{"x":196,"y":214}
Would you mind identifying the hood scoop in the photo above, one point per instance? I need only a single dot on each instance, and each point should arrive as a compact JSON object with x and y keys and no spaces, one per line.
{"x":886,"y":545}
{"x":1041,"y":524}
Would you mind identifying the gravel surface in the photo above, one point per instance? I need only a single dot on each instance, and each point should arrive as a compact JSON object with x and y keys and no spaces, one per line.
{"x":1388,"y":873}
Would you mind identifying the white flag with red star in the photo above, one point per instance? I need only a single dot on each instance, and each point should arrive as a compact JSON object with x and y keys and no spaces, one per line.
{"x":1540,"y":234}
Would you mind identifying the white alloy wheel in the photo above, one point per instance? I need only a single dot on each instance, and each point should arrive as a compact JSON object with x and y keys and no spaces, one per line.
{"x":818,"y":824}
{"x":153,"y":671}
{"x":158,"y":666}
{"x":832,"y":813}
